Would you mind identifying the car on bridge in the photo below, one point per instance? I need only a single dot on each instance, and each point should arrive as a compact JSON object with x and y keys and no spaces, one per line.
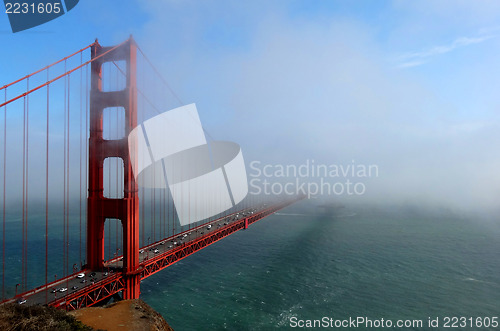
{"x":80,"y":275}
{"x":63,"y":289}
{"x":21,"y":300}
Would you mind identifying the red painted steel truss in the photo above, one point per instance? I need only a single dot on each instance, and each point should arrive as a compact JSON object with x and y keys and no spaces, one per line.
{"x":90,"y":295}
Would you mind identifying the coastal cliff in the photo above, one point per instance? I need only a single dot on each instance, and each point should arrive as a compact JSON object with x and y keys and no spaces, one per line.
{"x":126,"y":315}
{"x":130,"y":315}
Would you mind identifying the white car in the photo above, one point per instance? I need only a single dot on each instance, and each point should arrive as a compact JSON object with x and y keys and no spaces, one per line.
{"x":141,"y":251}
{"x":21,"y":301}
{"x":209,"y":226}
{"x":80,"y":275}
{"x":63,"y":289}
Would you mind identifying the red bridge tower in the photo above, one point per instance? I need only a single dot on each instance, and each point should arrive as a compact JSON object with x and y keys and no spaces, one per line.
{"x":100,"y":208}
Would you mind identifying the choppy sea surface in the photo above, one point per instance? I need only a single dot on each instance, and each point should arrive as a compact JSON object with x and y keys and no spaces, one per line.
{"x":305,"y":263}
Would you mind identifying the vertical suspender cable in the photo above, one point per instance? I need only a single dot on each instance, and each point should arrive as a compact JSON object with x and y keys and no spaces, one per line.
{"x":173,"y":211}
{"x":142,"y":219}
{"x":86,"y":139}
{"x":151,"y":229}
{"x":67,"y":182}
{"x":154,"y":206}
{"x":47,"y":193}
{"x":3,"y":196}
{"x":80,"y":157}
{"x":114,"y":86}
{"x":165,"y":215}
{"x":109,"y":174}
{"x":64,"y":174}
{"x":173,"y":204}
{"x":27,"y":176}
{"x":161,"y":212}
{"x":24,"y":196}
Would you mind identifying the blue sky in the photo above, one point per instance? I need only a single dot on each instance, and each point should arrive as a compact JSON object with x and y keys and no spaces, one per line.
{"x":408,"y":85}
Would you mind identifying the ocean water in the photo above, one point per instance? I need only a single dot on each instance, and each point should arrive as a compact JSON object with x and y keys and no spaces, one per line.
{"x":302,"y":264}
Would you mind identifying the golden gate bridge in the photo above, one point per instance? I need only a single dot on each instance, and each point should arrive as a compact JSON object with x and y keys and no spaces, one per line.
{"x":70,"y":203}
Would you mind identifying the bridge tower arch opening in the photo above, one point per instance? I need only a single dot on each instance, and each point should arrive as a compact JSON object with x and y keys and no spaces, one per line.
{"x":113,"y":238}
